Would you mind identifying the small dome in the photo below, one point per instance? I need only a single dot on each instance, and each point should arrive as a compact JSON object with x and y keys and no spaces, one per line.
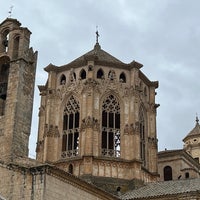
{"x":194,"y":132}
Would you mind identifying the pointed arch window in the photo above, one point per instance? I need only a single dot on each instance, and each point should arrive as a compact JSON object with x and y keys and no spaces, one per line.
{"x":83,"y":74}
{"x":122,"y":77}
{"x":100,"y":74}
{"x":62,"y":79}
{"x":167,"y":173}
{"x":110,"y":127}
{"x":142,"y":130}
{"x":71,"y":117}
{"x":5,"y":39}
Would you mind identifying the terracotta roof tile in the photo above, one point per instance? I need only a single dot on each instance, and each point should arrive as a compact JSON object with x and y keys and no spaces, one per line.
{"x":164,"y":188}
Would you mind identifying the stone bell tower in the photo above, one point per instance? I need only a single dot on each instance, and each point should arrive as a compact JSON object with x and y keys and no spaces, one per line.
{"x":17,"y":78}
{"x":97,"y":120}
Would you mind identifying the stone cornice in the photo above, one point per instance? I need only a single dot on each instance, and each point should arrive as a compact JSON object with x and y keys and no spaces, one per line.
{"x":147,"y":81}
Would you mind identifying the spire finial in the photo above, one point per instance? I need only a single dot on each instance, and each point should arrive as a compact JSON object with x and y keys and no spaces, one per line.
{"x":197,"y":119}
{"x":97,"y":35}
{"x":10,"y":11}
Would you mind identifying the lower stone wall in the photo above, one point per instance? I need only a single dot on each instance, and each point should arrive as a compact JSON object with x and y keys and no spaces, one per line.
{"x":45,"y":183}
{"x":17,"y":183}
{"x":56,"y":189}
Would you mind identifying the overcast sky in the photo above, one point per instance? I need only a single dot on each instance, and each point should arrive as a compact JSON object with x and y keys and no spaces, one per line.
{"x":163,"y":35}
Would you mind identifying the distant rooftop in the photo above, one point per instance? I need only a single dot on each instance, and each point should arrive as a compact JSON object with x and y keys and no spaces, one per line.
{"x":195,"y":131}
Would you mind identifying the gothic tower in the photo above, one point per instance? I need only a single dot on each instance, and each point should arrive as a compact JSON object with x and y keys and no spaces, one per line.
{"x":97,"y":120}
{"x":17,"y":78}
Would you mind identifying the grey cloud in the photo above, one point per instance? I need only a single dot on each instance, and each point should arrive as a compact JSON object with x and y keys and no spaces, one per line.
{"x":162,"y":35}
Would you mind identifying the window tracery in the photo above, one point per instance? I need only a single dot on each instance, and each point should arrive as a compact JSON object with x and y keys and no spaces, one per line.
{"x":110,"y":127}
{"x":71,"y":117}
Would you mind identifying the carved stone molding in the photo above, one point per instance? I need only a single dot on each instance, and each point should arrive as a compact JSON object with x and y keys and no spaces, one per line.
{"x":126,"y":129}
{"x":100,"y":86}
{"x":153,"y":107}
{"x":131,"y":129}
{"x":40,"y":146}
{"x":90,"y":122}
{"x":41,"y":111}
{"x":66,"y":89}
{"x":90,"y":84}
{"x":90,"y":68}
{"x":51,"y":131}
{"x":153,"y":141}
{"x":88,"y":159}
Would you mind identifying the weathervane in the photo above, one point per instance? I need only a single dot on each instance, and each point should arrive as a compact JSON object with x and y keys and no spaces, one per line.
{"x":97,"y":35}
{"x":10,"y":11}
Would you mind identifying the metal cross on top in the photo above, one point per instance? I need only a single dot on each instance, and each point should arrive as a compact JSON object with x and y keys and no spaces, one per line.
{"x":197,"y":119}
{"x":10,"y":11}
{"x":97,"y":35}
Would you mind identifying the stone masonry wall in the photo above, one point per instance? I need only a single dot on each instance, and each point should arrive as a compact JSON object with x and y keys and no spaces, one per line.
{"x":58,"y":190}
{"x":19,"y":184}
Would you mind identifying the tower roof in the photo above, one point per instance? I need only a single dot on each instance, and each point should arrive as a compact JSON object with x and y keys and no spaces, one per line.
{"x":194,"y":132}
{"x":11,"y":20}
{"x":99,"y":56}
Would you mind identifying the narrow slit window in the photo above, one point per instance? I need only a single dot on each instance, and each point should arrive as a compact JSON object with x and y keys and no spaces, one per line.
{"x":142,"y":136}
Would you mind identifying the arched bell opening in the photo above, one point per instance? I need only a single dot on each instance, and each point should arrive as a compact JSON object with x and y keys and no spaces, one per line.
{"x":4,"y":41}
{"x":4,"y":73}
